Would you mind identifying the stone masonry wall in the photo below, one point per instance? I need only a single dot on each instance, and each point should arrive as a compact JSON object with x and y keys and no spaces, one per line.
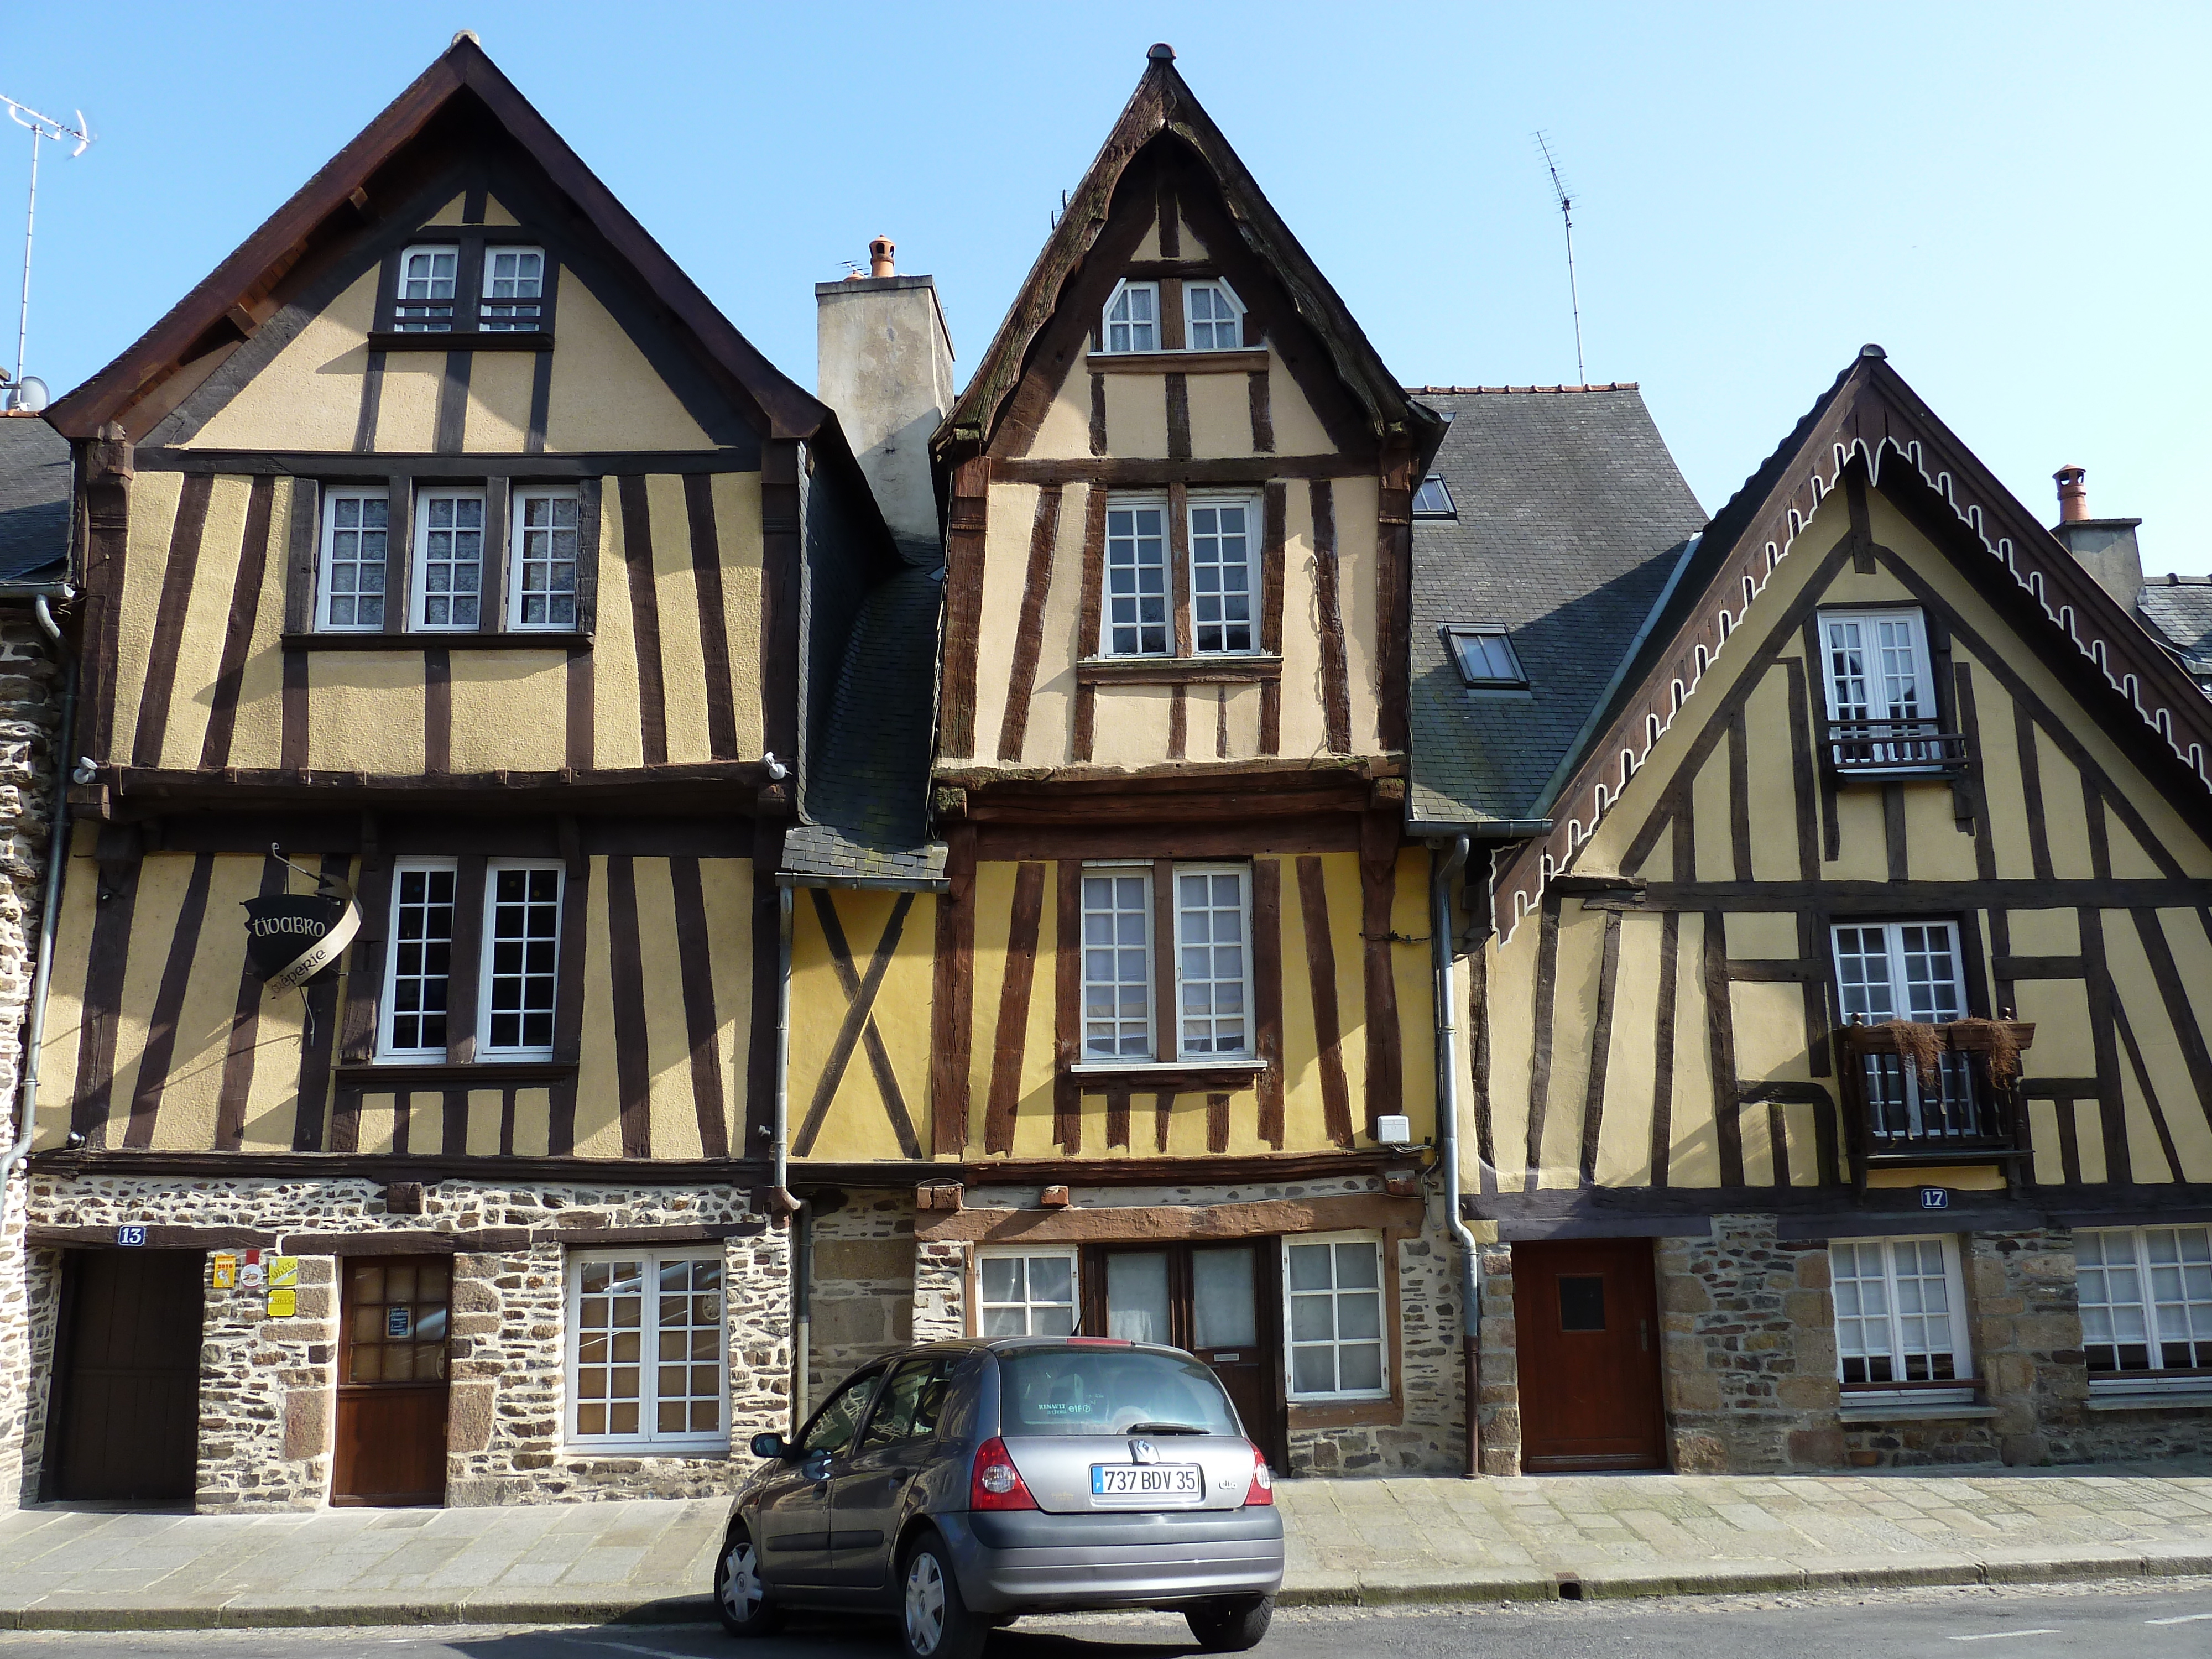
{"x":861,"y":1291}
{"x":267,"y":1396}
{"x":1498,"y":1406}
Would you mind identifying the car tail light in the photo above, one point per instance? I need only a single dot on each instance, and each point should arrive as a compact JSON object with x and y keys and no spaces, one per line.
{"x":1262,"y":1489}
{"x":1098,"y":1342}
{"x":996,"y":1484}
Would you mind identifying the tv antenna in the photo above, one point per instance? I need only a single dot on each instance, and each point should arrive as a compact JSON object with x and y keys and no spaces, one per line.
{"x":1567,"y":220}
{"x":22,"y":393}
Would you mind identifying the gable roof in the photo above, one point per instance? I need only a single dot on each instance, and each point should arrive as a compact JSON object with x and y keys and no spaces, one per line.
{"x":1871,"y":416}
{"x":203,"y":327}
{"x":36,"y":477}
{"x":1571,"y":516}
{"x":2178,"y":609}
{"x":1164,"y":103}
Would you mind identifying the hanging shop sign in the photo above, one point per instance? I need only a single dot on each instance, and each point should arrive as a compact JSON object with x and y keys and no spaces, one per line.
{"x":294,"y":939}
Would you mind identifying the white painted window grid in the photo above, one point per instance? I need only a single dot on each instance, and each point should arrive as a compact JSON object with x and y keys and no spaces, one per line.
{"x":1909,"y":970}
{"x":1876,"y":666}
{"x":1132,"y":318}
{"x":1136,"y":621}
{"x":1222,"y":531}
{"x":1117,"y":966}
{"x":513,"y":289}
{"x":1337,"y":1346}
{"x":1901,"y":1313}
{"x":424,"y":302}
{"x":356,"y":536}
{"x":647,"y":1349}
{"x":521,"y":961}
{"x":418,"y":959}
{"x":2146,"y":1296}
{"x":542,"y":581}
{"x":1027,"y":1292}
{"x":1213,"y":317}
{"x":1214,"y":965}
{"x":449,"y":550}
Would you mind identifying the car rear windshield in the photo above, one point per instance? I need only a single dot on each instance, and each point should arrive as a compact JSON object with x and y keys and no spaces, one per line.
{"x":1086,"y":1390}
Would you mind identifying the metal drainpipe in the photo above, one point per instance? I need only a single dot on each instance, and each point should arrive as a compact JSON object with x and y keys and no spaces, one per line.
{"x":792,"y":1206}
{"x":1443,"y":868}
{"x":49,"y":908}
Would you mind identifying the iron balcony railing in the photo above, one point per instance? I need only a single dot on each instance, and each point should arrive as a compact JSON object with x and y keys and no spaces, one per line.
{"x":1889,"y":746}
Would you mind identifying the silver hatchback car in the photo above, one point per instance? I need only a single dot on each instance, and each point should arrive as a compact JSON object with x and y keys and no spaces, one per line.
{"x":959,"y":1485}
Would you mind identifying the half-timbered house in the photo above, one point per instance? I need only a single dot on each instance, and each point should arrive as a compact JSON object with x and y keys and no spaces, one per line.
{"x":445,"y":553}
{"x":1840,"y":1092}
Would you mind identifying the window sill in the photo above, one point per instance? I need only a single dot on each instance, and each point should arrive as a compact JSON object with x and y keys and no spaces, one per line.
{"x":644,"y":1449}
{"x":431,"y":639}
{"x":1172,"y":1076}
{"x":1242,"y":362}
{"x":2148,"y":1399}
{"x":1907,"y":1411}
{"x":480,"y":1074}
{"x":458,"y":339}
{"x":1237,"y":669}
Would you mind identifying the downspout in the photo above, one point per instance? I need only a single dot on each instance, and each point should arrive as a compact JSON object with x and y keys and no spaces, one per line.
{"x":1443,"y":868}
{"x":787,"y":1205}
{"x":49,"y":907}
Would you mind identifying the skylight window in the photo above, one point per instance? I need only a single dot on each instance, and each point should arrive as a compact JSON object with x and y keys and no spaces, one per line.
{"x":1486,"y":657}
{"x":1432,"y":500}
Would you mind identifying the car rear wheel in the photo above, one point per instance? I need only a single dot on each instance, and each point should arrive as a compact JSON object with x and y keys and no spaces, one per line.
{"x":1230,"y":1627}
{"x":741,"y":1598}
{"x":934,"y":1623}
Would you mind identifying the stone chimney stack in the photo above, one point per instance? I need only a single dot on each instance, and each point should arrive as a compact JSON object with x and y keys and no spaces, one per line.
{"x":2106,"y":547}
{"x":884,"y":361}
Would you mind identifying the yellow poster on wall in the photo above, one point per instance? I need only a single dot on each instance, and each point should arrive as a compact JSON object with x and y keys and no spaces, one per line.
{"x":222,"y":1271}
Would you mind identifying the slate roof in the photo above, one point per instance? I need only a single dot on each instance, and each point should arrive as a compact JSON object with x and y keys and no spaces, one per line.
{"x":34,"y":500}
{"x":2178,"y":609}
{"x":1572,"y":515}
{"x":865,"y":815}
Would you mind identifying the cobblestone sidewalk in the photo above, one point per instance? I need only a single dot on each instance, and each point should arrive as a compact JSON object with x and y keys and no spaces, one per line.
{"x":1365,"y":1541}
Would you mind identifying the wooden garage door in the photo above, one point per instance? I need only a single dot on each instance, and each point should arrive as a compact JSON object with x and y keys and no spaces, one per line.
{"x":128,"y":1412}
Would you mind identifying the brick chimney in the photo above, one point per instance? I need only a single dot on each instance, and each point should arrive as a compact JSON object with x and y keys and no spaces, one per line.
{"x":884,"y":361}
{"x":2106,"y":547}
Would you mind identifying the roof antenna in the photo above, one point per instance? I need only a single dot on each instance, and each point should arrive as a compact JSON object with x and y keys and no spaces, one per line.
{"x":1567,"y":219}
{"x":21,"y":394}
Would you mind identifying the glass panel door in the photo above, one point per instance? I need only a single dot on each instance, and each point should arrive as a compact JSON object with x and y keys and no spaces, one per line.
{"x":1137,"y":1301}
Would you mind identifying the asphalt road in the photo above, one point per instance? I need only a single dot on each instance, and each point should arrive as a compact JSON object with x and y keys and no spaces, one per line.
{"x":2128,"y":1620}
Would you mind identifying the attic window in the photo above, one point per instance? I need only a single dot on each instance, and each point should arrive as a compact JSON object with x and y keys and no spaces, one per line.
{"x":1132,"y":318}
{"x":1432,"y":500}
{"x":514,"y":285}
{"x":1485,"y":656}
{"x":1213,"y":318}
{"x":424,"y":304}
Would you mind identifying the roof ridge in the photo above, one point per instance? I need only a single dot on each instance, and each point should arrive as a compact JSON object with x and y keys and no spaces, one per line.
{"x":1473,"y":390}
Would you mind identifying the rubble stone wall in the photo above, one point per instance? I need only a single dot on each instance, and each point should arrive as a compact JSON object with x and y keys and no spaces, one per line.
{"x":861,"y":1284}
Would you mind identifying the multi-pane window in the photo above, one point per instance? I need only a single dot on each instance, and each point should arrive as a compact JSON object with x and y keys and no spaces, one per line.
{"x":1880,"y":693}
{"x":544,"y":594}
{"x":522,"y":949}
{"x":419,"y":960}
{"x":2146,"y":1304}
{"x":1137,"y":580}
{"x":1901,"y":1310}
{"x":1117,"y":969}
{"x":1332,"y":1296}
{"x":1214,"y":965}
{"x":395,"y":1320}
{"x":1132,"y":318}
{"x":1214,"y":319}
{"x":424,"y":302}
{"x":514,"y":288}
{"x":1026,"y":1292}
{"x":1221,"y":574}
{"x":449,"y":546}
{"x":1909,"y":970}
{"x":1483,"y":654}
{"x":356,"y":528}
{"x":645,"y":1359}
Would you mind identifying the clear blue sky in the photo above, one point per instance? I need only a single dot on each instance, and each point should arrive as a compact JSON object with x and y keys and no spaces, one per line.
{"x":2015,"y":200}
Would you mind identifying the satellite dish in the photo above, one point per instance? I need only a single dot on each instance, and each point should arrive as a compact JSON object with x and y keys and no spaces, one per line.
{"x":30,"y":395}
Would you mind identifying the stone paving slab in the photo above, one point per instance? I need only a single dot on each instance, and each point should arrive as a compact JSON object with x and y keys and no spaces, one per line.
{"x":1347,"y":1542}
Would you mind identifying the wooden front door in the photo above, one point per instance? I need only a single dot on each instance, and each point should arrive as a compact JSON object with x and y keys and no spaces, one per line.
{"x":128,"y":1412}
{"x":1219,"y":1301}
{"x":392,"y":1382}
{"x":1587,"y":1316}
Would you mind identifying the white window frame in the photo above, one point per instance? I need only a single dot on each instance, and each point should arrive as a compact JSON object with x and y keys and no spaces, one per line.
{"x":1877,"y":709}
{"x":418,"y":596}
{"x":518,"y":559}
{"x":489,"y":323}
{"x":1142,"y":873}
{"x":2183,"y":1317}
{"x":1243,"y":872}
{"x":386,"y":1049}
{"x":1069,"y":1253}
{"x":1383,"y":1305}
{"x":1138,"y":503}
{"x":1190,"y":323}
{"x":487,"y":955}
{"x":332,"y":496}
{"x":1955,"y":1070}
{"x":1959,"y":1388}
{"x":399,"y":296}
{"x":1179,"y":1058}
{"x":650,"y":1437}
{"x":1107,"y":324}
{"x":1200,"y":502}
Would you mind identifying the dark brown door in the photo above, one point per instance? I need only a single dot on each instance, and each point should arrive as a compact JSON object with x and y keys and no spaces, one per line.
{"x":129,"y":1408}
{"x":392,"y":1382}
{"x":1587,"y":1316}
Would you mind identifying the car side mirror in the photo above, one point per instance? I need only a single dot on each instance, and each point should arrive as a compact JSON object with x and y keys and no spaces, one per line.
{"x":770,"y":1446}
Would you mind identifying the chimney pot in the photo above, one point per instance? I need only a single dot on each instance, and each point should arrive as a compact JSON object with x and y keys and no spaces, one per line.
{"x":2073,"y":494}
{"x":879,"y":257}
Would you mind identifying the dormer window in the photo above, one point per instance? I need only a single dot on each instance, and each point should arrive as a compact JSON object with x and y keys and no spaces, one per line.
{"x":1132,"y":318}
{"x":1485,"y":656}
{"x":1213,"y":318}
{"x":424,"y":304}
{"x":1433,"y":499}
{"x":513,"y":289}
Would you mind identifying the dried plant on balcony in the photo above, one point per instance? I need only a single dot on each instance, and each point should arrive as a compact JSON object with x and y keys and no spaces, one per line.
{"x":1921,"y":1046}
{"x":1999,"y":1043}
